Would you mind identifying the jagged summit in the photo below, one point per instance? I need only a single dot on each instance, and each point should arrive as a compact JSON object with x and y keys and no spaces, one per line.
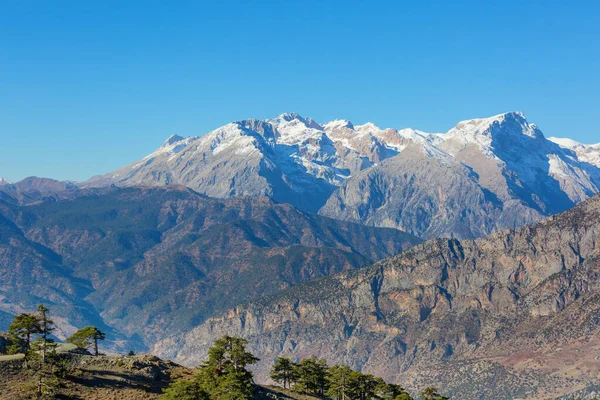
{"x":507,"y":133}
{"x":172,"y":139}
{"x":289,"y":117}
{"x":511,"y":123}
{"x":338,"y":123}
{"x":367,"y":127}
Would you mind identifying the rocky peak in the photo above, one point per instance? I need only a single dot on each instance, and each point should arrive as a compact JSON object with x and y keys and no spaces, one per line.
{"x":368,"y":128}
{"x":511,"y":123}
{"x":294,"y":119}
{"x":172,"y":139}
{"x":256,"y":126}
{"x":338,"y":124}
{"x":508,"y":130}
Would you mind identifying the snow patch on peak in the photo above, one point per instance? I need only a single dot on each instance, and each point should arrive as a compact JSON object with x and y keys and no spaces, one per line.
{"x":435,"y":152}
{"x":369,"y":127}
{"x":4,"y":181}
{"x":240,"y":136}
{"x":481,"y":126}
{"x":297,"y":130}
{"x":338,"y":124}
{"x":566,"y":142}
{"x":287,"y":118}
{"x":413,"y":134}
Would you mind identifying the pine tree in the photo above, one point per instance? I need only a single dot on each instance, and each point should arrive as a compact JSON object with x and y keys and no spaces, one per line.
{"x":45,"y":328}
{"x":363,"y":385}
{"x":390,"y":391}
{"x":185,"y":390}
{"x":229,"y":353}
{"x":284,"y":371}
{"x":432,"y":394}
{"x":235,"y":385}
{"x":21,"y":330}
{"x":86,"y":337}
{"x":43,"y":371}
{"x":312,"y":376}
{"x":222,"y":376}
{"x":339,"y":378}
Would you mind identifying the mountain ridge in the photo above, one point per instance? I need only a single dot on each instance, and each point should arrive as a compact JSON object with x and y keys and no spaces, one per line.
{"x":296,"y":160}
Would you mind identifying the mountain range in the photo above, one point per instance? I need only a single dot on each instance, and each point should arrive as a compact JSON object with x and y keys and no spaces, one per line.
{"x":512,"y":315}
{"x":144,"y":262}
{"x":309,"y":239}
{"x":484,"y":174}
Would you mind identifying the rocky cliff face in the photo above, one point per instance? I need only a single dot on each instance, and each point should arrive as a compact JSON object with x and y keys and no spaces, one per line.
{"x":512,"y":315}
{"x":431,"y":197}
{"x":361,"y":173}
{"x":145,"y":262}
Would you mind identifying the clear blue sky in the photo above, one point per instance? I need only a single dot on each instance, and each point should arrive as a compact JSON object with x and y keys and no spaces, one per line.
{"x":89,"y":86}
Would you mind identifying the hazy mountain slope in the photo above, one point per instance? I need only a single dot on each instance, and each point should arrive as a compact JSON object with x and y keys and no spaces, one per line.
{"x":510,"y":315}
{"x":295,"y":160}
{"x":159,"y":260}
{"x":31,"y":274}
{"x":33,"y":189}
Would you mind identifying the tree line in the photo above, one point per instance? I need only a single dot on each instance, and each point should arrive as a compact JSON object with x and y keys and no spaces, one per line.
{"x":339,"y":382}
{"x":224,"y":376}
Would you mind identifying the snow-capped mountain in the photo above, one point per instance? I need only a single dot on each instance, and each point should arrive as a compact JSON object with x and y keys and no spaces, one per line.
{"x":4,"y":181}
{"x":523,"y":158}
{"x":482,"y":175}
{"x":508,"y":172}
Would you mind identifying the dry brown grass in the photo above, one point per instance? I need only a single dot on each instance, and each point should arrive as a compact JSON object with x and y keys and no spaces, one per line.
{"x":97,"y":378}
